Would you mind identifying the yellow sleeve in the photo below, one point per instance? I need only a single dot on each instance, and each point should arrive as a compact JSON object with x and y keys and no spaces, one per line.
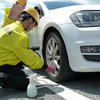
{"x":27,"y":56}
{"x":6,"y":20}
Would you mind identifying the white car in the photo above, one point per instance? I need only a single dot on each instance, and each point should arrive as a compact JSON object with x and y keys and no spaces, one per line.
{"x":68,"y":36}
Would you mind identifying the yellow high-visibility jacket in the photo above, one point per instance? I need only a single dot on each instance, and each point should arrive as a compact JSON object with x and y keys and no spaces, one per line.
{"x":7,"y":20}
{"x":14,"y":45}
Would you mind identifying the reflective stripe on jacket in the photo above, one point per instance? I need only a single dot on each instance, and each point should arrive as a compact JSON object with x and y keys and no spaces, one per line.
{"x":6,"y":20}
{"x":13,"y":47}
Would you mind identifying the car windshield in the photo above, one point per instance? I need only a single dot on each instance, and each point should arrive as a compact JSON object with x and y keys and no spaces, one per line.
{"x":63,"y":3}
{"x":58,"y":4}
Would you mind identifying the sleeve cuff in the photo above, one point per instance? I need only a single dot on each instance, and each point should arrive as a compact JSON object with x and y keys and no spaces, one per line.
{"x":44,"y":66}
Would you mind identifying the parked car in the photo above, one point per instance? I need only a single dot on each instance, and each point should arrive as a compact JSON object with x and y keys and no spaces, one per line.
{"x":68,"y":36}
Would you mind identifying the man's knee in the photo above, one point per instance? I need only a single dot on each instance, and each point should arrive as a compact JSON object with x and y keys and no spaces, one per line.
{"x":17,"y":82}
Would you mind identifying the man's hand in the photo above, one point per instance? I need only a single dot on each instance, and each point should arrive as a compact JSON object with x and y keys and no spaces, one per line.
{"x":49,"y":69}
{"x":15,"y":11}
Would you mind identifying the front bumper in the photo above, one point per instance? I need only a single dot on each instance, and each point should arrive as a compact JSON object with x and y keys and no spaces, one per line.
{"x":74,"y":38}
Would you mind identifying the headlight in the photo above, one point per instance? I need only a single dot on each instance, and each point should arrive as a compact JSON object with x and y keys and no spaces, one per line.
{"x":84,"y":18}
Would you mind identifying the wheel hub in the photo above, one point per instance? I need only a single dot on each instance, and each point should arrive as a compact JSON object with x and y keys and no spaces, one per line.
{"x":53,"y":55}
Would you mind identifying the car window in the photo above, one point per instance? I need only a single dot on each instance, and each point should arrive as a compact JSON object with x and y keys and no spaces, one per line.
{"x":58,"y":4}
{"x":40,"y":11}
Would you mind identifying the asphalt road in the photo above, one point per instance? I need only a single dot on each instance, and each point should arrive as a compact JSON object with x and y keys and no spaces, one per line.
{"x":85,"y":87}
{"x":88,"y":85}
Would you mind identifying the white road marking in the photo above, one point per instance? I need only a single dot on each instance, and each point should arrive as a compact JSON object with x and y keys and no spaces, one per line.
{"x":60,"y":90}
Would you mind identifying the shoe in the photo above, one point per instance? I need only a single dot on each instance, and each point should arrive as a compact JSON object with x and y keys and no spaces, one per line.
{"x":3,"y":78}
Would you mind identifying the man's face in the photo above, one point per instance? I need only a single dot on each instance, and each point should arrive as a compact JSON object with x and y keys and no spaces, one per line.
{"x":31,"y":26}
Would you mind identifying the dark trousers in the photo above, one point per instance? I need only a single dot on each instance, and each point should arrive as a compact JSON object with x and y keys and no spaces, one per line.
{"x":14,"y":77}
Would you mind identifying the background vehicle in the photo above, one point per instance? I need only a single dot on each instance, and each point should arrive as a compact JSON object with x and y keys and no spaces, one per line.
{"x":69,"y":37}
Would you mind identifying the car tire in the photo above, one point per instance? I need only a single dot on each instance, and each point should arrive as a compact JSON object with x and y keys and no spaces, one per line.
{"x":55,"y":54}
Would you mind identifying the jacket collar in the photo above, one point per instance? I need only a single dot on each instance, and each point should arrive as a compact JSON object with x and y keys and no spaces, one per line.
{"x":20,"y":25}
